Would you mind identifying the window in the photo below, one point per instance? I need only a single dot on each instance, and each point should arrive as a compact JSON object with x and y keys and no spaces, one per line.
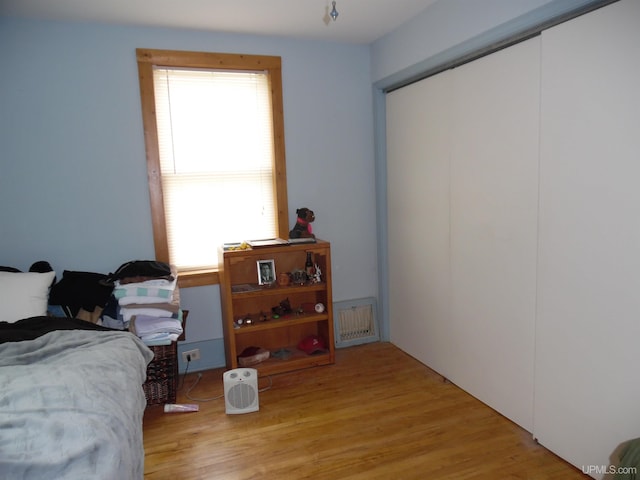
{"x":214,"y":135}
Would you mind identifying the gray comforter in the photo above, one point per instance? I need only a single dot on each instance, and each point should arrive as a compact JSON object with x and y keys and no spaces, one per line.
{"x":71,"y":406}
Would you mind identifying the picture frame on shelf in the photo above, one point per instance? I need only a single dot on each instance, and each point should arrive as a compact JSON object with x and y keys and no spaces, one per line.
{"x":266,"y":272}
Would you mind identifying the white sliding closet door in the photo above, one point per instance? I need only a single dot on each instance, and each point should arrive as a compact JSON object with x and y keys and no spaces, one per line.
{"x":494,"y":201}
{"x":462,"y":167}
{"x":587,"y":349}
{"x":418,"y":129}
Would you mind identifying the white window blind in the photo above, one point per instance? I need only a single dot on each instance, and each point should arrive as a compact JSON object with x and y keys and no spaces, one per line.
{"x":216,"y":151}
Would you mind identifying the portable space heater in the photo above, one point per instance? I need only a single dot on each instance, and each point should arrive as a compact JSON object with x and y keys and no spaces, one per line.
{"x":241,"y":390}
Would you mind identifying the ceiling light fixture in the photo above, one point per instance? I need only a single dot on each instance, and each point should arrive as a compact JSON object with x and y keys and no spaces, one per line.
{"x":334,"y":13}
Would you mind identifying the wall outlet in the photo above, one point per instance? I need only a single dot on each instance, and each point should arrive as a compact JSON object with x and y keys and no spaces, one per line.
{"x":191,"y":355}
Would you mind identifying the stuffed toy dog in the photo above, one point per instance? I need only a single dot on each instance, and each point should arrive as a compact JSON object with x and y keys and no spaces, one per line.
{"x":302,"y":228}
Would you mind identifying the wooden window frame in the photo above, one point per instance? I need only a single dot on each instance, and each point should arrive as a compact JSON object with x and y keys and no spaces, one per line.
{"x":272,"y":65}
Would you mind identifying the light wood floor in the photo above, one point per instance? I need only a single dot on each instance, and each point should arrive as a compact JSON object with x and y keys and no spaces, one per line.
{"x":376,"y":414}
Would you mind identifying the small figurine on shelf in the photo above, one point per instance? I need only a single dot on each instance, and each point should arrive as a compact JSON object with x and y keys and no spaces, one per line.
{"x":284,"y":308}
{"x":302,"y":228}
{"x":317,"y":275}
{"x":298,"y":277}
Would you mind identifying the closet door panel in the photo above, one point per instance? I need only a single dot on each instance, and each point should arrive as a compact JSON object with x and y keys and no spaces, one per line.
{"x":587,"y":354}
{"x":418,"y":219}
{"x":494,"y":199}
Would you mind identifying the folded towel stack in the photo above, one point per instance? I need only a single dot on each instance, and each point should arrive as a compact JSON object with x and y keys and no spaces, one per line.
{"x":149,"y":306}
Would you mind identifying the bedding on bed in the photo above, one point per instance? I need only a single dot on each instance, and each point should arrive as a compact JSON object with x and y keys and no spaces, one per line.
{"x":71,"y":402}
{"x":34,"y":327}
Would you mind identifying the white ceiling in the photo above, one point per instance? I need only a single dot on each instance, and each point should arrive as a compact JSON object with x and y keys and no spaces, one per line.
{"x":359,"y":21}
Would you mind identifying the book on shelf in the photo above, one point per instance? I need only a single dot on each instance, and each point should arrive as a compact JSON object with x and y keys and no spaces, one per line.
{"x":276,"y":242}
{"x":267,"y":242}
{"x":293,"y":241}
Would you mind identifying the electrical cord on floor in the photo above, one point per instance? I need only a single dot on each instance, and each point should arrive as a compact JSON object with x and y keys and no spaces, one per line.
{"x":200,"y":399}
{"x":267,"y":388}
{"x":184,"y":375}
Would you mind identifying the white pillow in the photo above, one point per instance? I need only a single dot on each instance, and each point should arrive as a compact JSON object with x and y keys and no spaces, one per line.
{"x":24,"y":295}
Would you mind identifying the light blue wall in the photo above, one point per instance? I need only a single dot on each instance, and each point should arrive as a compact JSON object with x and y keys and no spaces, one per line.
{"x":441,"y":26}
{"x":73,"y":185}
{"x":449,"y":29}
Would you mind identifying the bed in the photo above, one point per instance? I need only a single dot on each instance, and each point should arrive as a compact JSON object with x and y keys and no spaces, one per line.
{"x":71,"y":397}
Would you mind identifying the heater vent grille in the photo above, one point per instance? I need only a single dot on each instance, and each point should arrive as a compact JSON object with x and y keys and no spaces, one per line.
{"x":241,"y":395}
{"x":356,"y":322}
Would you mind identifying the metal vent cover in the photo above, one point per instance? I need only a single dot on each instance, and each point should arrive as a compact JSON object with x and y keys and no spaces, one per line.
{"x":355,"y":322}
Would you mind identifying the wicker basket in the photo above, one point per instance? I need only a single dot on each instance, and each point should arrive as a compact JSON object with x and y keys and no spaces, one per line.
{"x":162,"y":375}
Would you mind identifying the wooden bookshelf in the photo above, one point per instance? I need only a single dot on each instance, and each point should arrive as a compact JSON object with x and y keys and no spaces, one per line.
{"x":248,"y":320}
